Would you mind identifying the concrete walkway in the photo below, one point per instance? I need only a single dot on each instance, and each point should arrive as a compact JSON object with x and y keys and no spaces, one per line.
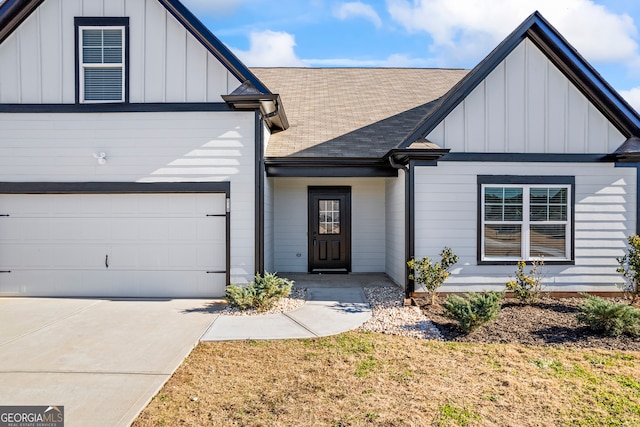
{"x":328,"y":311}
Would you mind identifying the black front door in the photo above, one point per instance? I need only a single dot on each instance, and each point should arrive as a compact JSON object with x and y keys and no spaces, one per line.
{"x":329,"y":229}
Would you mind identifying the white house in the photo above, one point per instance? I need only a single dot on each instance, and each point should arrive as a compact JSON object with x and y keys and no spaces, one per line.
{"x":140,"y":157}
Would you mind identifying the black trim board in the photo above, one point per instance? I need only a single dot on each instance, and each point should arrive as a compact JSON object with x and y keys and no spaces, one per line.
{"x":154,"y":107}
{"x":330,"y":171}
{"x":87,"y":21}
{"x":113,"y":187}
{"x":524,"y":180}
{"x":528,"y":157}
{"x":329,"y":167}
{"x":259,"y":194}
{"x":410,"y":226}
{"x":13,"y":12}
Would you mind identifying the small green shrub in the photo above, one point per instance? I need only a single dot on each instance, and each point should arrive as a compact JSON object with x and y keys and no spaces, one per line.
{"x":474,"y":310}
{"x":260,"y":294}
{"x":432,"y":274}
{"x":241,"y":297}
{"x":609,"y":317}
{"x":630,"y":269}
{"x":527,"y":287}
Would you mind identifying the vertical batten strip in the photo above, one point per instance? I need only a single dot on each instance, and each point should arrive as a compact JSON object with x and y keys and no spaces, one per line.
{"x":185,"y":66}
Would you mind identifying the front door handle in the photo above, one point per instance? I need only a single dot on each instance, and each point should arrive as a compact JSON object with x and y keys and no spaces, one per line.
{"x":106,"y":260}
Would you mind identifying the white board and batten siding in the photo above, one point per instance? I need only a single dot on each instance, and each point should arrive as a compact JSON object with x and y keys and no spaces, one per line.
{"x":367,"y":225}
{"x":395,"y":228}
{"x":526,"y":105}
{"x":166,"y":63}
{"x":141,"y":147}
{"x":605,"y":214}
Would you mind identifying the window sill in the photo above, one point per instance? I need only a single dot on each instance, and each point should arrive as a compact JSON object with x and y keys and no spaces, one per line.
{"x":515,"y":262}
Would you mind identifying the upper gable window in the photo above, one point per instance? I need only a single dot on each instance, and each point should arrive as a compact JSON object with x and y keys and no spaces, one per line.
{"x":102,"y":59}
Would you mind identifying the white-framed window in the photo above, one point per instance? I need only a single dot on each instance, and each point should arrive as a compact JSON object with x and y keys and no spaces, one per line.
{"x":101,"y":53}
{"x":525,"y":221}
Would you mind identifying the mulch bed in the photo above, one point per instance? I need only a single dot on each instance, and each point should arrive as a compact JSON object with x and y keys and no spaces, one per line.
{"x":551,"y":322}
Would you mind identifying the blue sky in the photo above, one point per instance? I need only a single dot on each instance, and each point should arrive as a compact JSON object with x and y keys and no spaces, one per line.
{"x":420,"y":33}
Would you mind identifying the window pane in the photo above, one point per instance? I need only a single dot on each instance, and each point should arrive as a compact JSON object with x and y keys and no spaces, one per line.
{"x":557,"y":213}
{"x":538,"y":213}
{"x":493,"y":213}
{"x":558,"y":195}
{"x":512,"y":213}
{"x":548,"y":241}
{"x":112,"y":38}
{"x":539,"y":195}
{"x":102,"y":46}
{"x":92,"y":38}
{"x":503,"y":204}
{"x":329,"y":216}
{"x":112,"y":55}
{"x":513,"y":196}
{"x":92,"y":55}
{"x":502,"y":241}
{"x":548,"y":204}
{"x":103,"y":84}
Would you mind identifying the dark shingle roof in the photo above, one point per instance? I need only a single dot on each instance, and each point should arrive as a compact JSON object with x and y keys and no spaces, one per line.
{"x":352,"y":112}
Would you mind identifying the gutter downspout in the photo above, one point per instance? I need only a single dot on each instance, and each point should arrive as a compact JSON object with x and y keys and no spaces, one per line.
{"x":408,"y":228}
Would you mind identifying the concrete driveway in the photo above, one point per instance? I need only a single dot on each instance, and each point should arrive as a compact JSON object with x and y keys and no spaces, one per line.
{"x":102,"y":359}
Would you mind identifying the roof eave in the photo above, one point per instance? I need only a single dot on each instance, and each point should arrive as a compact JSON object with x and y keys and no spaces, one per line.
{"x":404,"y":155}
{"x":12,"y":13}
{"x":328,"y":167}
{"x":270,"y":106}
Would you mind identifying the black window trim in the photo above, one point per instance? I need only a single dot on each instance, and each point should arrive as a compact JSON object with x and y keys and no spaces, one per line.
{"x":84,"y":21}
{"x":525,"y":180}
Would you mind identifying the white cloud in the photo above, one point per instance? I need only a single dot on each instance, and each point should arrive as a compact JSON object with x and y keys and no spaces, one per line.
{"x":632,"y":96}
{"x":358,"y":9}
{"x":270,"y":49}
{"x":463,"y":27}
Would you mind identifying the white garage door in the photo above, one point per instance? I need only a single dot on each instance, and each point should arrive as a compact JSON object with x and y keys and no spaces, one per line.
{"x":113,"y":245}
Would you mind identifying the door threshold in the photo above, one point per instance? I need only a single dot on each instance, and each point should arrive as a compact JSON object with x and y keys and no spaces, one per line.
{"x":329,"y":271}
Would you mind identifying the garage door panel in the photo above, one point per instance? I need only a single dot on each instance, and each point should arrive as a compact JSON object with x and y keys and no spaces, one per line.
{"x":156,"y":244}
{"x":52,"y":256}
{"x":61,"y":283}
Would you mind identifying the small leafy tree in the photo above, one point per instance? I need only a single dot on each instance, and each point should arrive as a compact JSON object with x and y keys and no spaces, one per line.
{"x":431,"y":275}
{"x":260,"y":294}
{"x":474,"y":310}
{"x":630,"y":269}
{"x":527,"y":287}
{"x":611,"y":318}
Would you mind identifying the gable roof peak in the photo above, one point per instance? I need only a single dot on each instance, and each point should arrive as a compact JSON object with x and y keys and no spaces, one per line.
{"x":14,"y":12}
{"x":562,"y":54}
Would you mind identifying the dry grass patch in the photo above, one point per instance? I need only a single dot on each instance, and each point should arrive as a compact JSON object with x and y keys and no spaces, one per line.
{"x":361,"y":378}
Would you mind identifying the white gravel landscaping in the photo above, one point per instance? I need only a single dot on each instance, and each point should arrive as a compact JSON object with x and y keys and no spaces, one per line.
{"x":389,"y":315}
